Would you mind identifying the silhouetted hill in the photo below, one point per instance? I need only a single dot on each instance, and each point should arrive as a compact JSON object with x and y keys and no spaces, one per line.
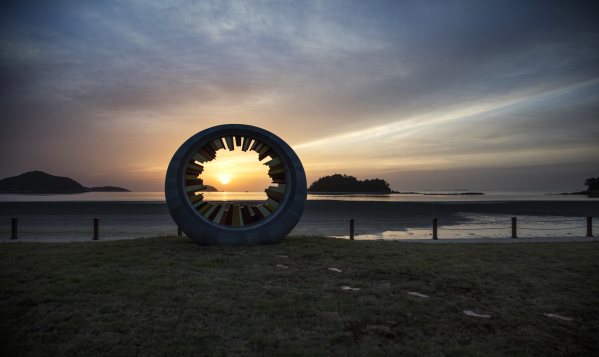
{"x":40,"y":182}
{"x":211,"y":189}
{"x":344,"y":183}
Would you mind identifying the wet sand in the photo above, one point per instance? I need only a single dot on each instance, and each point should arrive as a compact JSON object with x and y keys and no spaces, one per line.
{"x":503,"y":240}
{"x":331,"y":210}
{"x":433,"y":241}
{"x":444,"y":211}
{"x":120,"y":220}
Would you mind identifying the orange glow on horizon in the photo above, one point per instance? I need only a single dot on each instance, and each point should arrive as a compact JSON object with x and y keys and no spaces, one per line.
{"x":240,"y":171}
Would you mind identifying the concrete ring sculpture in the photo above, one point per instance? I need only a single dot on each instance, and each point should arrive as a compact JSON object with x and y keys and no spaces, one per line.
{"x":230,"y":224}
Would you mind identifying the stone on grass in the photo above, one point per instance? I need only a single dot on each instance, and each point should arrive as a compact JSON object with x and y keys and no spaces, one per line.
{"x":472,"y":314}
{"x":554,"y":316}
{"x":417,"y":294}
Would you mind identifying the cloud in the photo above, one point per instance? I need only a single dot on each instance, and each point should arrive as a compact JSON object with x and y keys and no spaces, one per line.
{"x":435,"y":79}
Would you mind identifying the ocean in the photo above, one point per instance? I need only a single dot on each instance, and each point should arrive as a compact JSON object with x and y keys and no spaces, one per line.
{"x":257,"y":196}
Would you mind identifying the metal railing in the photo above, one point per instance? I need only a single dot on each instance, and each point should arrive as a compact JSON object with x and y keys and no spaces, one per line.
{"x":513,"y":227}
{"x":352,"y":225}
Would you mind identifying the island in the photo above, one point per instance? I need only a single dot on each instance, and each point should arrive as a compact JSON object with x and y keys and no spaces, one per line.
{"x":39,"y":182}
{"x":338,"y":183}
{"x":592,"y":191}
{"x":342,"y":184}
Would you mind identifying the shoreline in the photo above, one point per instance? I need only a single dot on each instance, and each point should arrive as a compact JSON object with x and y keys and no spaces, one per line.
{"x":62,"y":221}
{"x":428,"y":197}
{"x":397,"y":193}
{"x":529,"y":207}
{"x":426,"y":241}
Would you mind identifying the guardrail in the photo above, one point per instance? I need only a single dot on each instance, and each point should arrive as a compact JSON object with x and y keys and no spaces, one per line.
{"x":514,"y":226}
{"x":95,"y":223}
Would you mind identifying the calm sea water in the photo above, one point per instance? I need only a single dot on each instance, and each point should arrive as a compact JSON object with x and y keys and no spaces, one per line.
{"x":258,"y":196}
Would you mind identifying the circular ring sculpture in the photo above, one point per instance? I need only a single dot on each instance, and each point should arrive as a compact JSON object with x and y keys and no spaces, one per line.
{"x":209,"y":223}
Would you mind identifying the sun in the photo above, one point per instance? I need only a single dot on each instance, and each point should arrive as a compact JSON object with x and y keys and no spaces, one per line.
{"x":224,"y":181}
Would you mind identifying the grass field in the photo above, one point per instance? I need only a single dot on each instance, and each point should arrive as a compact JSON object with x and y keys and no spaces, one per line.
{"x":168,"y":296}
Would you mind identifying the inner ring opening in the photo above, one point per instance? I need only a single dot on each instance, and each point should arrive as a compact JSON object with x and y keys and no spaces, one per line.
{"x":233,"y":214}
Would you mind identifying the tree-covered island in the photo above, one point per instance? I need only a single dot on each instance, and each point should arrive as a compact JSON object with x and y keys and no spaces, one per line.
{"x":593,"y":184}
{"x":593,"y":188}
{"x":345,"y":183}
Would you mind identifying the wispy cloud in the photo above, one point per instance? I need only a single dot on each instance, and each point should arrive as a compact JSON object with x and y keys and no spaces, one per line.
{"x":353,"y":86}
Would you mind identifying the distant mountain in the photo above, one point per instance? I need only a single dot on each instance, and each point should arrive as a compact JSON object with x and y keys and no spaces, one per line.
{"x":43,"y":183}
{"x":211,"y":189}
{"x":40,"y":182}
{"x":107,"y":189}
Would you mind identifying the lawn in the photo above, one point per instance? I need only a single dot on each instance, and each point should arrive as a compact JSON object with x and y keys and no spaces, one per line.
{"x":167,"y":296}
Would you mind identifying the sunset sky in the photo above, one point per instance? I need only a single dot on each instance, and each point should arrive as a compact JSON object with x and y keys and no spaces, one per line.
{"x":497,"y":95}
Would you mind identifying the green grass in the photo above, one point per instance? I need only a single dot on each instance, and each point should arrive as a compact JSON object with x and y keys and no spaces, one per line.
{"x":168,"y":296}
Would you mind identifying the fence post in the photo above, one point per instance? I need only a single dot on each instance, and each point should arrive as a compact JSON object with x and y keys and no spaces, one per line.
{"x":14,"y":229}
{"x":179,"y":233}
{"x":514,"y":225}
{"x":351,"y":229}
{"x":435,"y":228}
{"x":96,"y":229}
{"x":589,"y":226}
